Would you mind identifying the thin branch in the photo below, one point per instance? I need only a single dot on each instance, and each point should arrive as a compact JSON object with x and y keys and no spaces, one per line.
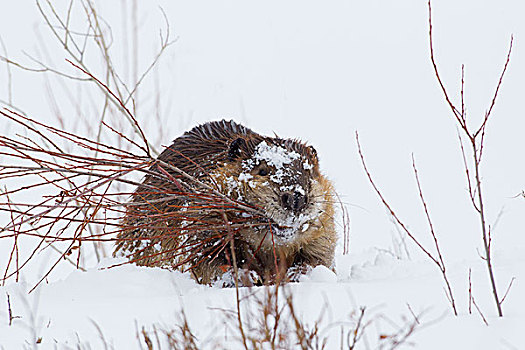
{"x":476,"y":144}
{"x":457,"y":115}
{"x":385,"y":203}
{"x":493,"y":102}
{"x":121,"y":103}
{"x":438,"y":261}
{"x":479,"y":311}
{"x":508,"y":290}
{"x":434,"y":237}
{"x":413,"y":314}
{"x":10,"y":311}
{"x":469,"y":291}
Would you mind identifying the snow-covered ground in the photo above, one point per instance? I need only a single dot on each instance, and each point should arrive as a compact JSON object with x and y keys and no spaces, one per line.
{"x":110,"y":307}
{"x":320,"y":72}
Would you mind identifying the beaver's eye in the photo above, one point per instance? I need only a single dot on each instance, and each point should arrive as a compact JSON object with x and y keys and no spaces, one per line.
{"x":262,"y":172}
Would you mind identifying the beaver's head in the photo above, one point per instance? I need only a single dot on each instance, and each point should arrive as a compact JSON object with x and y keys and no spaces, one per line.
{"x":281,"y":178}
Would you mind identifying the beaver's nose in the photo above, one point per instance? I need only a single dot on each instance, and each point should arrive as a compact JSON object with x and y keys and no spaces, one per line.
{"x":293,"y":201}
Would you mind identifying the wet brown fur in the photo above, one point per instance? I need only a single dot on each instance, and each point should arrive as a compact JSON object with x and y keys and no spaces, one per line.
{"x":172,"y":221}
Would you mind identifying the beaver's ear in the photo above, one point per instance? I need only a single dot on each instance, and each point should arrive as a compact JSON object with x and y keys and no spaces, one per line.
{"x":235,"y":148}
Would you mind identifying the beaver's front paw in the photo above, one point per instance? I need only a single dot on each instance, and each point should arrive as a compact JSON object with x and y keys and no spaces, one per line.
{"x":246,"y":278}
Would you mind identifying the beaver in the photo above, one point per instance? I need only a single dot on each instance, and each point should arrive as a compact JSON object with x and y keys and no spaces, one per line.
{"x":222,"y":195}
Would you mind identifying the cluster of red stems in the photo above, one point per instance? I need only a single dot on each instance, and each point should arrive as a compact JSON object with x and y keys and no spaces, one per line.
{"x":84,"y":194}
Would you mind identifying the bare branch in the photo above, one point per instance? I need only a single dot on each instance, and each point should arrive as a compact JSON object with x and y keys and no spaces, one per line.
{"x":479,"y":311}
{"x":459,"y":117}
{"x":508,"y":290}
{"x":476,"y":140}
{"x":493,"y":102}
{"x":469,"y":291}
{"x":439,"y":260}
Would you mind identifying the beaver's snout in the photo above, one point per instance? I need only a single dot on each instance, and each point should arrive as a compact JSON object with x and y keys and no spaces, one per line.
{"x":293,"y":201}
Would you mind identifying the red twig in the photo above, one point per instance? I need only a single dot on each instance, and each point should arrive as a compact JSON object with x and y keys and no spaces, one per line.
{"x":121,"y":103}
{"x":439,"y":260}
{"x":508,"y":290}
{"x":479,"y":311}
{"x":469,"y":291}
{"x":10,"y":311}
{"x":476,"y":139}
{"x":434,"y":237}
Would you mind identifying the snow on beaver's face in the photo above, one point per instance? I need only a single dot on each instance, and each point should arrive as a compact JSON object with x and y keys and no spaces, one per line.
{"x":282,"y":178}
